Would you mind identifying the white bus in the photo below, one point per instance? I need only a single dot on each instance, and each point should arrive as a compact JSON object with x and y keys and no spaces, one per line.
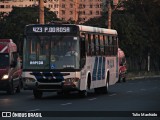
{"x":64,"y":58}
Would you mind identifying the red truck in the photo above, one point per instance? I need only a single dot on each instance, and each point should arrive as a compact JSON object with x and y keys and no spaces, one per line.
{"x":10,"y":67}
{"x":122,"y":66}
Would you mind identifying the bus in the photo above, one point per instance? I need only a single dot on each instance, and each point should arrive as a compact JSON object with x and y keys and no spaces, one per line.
{"x":65,"y":57}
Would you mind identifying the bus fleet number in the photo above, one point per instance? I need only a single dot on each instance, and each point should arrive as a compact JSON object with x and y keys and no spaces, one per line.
{"x":37,"y":29}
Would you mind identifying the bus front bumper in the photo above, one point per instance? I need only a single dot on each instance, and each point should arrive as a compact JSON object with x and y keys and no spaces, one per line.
{"x":64,"y":85}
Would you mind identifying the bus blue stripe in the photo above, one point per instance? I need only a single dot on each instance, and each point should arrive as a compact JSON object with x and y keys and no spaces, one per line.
{"x":100,"y":69}
{"x":103,"y":68}
{"x":94,"y":74}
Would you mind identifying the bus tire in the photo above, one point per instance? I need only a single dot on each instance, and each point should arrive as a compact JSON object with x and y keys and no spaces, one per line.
{"x":119,"y":79}
{"x":18,"y":89}
{"x":11,"y":89}
{"x":105,"y":88}
{"x":96,"y":90}
{"x":60,"y":93}
{"x":83,"y":93}
{"x":37,"y":94}
{"x":124,"y":79}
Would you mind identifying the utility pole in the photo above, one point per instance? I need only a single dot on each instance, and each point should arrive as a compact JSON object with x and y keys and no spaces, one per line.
{"x":116,"y":3}
{"x":109,"y":14}
{"x":76,"y":16}
{"x":41,"y":12}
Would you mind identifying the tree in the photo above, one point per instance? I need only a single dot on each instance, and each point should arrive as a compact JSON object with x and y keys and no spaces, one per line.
{"x":138,"y":29}
{"x":146,"y":14}
{"x":13,"y":24}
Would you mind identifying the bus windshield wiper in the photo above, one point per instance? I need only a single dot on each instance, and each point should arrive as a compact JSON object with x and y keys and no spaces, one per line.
{"x":68,"y":68}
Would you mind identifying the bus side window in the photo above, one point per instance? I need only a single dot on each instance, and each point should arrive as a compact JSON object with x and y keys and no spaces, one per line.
{"x":115,"y":45}
{"x":101,"y":45}
{"x":92,"y":45}
{"x":89,"y":44}
{"x":97,"y":44}
{"x":83,"y":46}
{"x":106,"y":45}
{"x":83,"y":51}
{"x":110,"y":46}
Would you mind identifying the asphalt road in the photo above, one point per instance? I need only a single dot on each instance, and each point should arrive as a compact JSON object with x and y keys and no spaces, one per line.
{"x":123,"y":100}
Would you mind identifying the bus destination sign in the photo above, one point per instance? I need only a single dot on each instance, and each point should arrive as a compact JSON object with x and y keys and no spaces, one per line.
{"x":51,"y":29}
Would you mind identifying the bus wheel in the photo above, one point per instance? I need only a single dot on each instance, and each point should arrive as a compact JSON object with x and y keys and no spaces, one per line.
{"x":124,"y":79}
{"x":60,"y":93}
{"x":11,"y":89}
{"x":37,"y":94}
{"x":105,"y":88}
{"x":119,"y":79}
{"x":18,"y":89}
{"x":83,"y":93}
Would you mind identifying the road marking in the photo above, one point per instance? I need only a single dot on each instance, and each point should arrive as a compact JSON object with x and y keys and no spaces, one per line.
{"x":155,"y":87}
{"x":66,"y":104}
{"x":92,"y":99}
{"x":143,"y":89}
{"x":35,"y":110}
{"x":112,"y":94}
{"x":129,"y":91}
{"x":4,"y":99}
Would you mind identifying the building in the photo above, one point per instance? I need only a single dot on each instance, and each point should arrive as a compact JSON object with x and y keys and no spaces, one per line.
{"x":80,"y":10}
{"x":76,"y":10}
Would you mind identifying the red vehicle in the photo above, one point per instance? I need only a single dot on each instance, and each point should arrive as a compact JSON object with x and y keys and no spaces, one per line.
{"x":10,"y":67}
{"x":122,"y":66}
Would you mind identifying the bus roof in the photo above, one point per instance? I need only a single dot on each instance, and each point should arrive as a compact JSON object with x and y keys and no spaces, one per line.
{"x":96,"y":29}
{"x":75,"y":27}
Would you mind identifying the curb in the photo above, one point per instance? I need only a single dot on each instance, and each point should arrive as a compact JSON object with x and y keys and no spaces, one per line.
{"x":143,"y":77}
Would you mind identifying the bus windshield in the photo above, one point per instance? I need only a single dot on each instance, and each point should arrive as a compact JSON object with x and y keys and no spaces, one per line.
{"x":51,"y":52}
{"x":4,"y":60}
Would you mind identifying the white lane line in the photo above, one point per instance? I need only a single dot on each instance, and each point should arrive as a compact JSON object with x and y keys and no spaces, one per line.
{"x":143,"y":89}
{"x":34,"y":110}
{"x":112,"y":94}
{"x":155,"y":87}
{"x":4,"y":99}
{"x":66,"y":104}
{"x":129,"y":91}
{"x":92,"y":99}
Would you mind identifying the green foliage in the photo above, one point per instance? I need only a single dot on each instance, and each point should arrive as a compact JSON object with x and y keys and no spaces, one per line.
{"x":12,"y":25}
{"x":138,"y":28}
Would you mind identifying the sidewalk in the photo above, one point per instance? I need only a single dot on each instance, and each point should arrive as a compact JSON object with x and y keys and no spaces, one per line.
{"x":142,"y":75}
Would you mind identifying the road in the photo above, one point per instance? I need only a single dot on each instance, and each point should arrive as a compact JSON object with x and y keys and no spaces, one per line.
{"x":135,"y":95}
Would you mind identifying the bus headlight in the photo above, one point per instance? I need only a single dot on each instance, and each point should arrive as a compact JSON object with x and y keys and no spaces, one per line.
{"x":71,"y":80}
{"x":5,"y":77}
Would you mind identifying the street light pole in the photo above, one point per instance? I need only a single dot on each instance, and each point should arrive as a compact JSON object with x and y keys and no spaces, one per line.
{"x":41,"y":12}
